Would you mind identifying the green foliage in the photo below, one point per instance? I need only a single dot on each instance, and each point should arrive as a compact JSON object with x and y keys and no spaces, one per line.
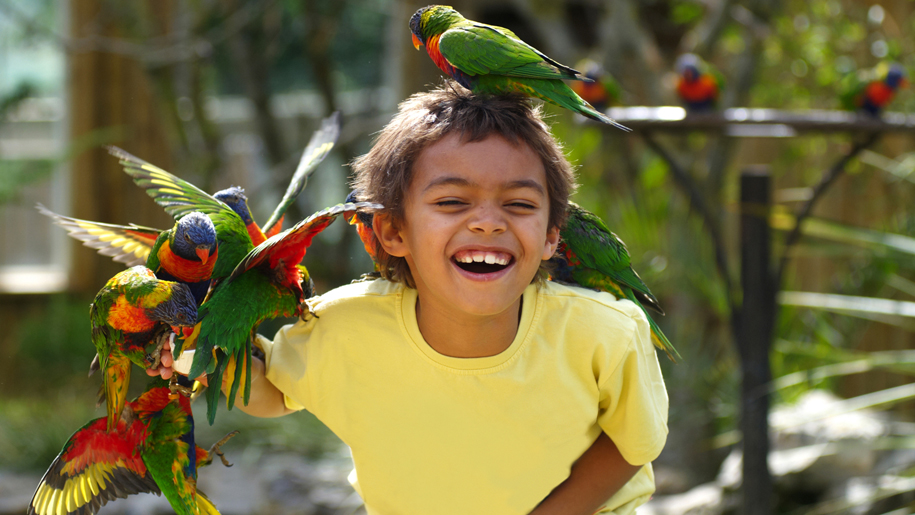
{"x":55,"y":343}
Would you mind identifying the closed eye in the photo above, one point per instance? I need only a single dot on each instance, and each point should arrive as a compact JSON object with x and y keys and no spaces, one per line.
{"x":450,"y":202}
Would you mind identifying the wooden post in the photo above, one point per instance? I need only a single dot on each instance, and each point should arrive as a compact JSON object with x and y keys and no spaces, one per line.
{"x":110,"y":101}
{"x":754,"y":336}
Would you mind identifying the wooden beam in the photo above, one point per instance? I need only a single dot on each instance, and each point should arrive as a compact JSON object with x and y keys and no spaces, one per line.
{"x":758,"y":122}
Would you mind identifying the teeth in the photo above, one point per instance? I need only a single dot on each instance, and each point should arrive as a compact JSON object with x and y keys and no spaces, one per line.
{"x":492,"y":258}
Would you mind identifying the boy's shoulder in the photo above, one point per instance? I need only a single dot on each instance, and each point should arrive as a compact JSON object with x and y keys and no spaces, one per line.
{"x":585,"y":302}
{"x":375,"y":290}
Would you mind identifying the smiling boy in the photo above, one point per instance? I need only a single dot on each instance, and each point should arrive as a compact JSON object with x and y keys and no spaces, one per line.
{"x":463,"y":382}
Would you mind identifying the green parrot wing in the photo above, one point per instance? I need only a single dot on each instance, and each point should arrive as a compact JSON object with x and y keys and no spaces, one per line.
{"x":480,"y":49}
{"x":320,"y":144}
{"x":599,"y":248}
{"x":177,"y":196}
{"x":129,"y":244}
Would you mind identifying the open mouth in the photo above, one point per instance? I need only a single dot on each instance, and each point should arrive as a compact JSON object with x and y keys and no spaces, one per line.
{"x":479,"y":262}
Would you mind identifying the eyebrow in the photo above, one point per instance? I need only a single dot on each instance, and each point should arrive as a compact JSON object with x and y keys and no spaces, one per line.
{"x":462,"y":182}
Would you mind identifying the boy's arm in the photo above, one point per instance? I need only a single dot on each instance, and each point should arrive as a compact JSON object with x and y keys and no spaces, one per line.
{"x":265,"y":400}
{"x":598,"y":474}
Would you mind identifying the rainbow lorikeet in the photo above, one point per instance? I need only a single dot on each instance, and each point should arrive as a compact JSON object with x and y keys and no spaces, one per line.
{"x":267,"y":283}
{"x":603,"y":91}
{"x":698,"y":84}
{"x":131,"y":318}
{"x":320,"y":144}
{"x":151,"y":449}
{"x":363,"y":222}
{"x":185,"y":253}
{"x":493,"y":60}
{"x":869,"y":91}
{"x":180,"y":198}
{"x":590,"y":255}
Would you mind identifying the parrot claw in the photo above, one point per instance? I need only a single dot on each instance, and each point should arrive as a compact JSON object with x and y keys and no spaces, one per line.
{"x":307,"y":313}
{"x":175,"y":389}
{"x":215,"y":449}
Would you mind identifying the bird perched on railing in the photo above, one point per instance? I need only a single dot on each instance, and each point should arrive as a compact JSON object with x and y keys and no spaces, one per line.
{"x":493,"y":60}
{"x":698,"y":83}
{"x":150,"y":450}
{"x":603,"y":92}
{"x":869,"y":91}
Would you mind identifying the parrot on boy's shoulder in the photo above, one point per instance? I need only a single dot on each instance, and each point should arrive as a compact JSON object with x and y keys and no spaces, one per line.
{"x":150,"y":450}
{"x":493,"y":60}
{"x":590,"y":255}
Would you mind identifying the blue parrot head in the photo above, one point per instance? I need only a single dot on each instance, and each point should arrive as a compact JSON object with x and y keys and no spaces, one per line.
{"x":178,"y":311}
{"x":688,"y":67}
{"x":194,"y":237}
{"x":236,"y":199}
{"x":895,"y":77}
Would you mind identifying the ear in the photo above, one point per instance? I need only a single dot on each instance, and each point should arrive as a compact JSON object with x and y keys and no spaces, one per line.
{"x":552,"y":241}
{"x":388,"y":235}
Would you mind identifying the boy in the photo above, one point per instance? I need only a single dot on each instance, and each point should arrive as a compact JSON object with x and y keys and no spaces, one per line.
{"x":463,"y":382}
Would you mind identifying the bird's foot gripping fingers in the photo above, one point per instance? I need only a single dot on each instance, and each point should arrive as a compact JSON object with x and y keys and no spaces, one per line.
{"x":215,"y":449}
{"x":176,"y":389}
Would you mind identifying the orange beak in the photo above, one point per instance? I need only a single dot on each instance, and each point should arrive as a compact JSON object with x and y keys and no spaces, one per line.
{"x":203,"y":253}
{"x":416,"y":42}
{"x":904,"y":83}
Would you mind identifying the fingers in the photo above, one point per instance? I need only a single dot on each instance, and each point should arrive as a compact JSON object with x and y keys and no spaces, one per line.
{"x":165,"y":363}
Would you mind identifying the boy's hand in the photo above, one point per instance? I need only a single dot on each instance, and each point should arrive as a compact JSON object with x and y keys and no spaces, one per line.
{"x":166,"y":361}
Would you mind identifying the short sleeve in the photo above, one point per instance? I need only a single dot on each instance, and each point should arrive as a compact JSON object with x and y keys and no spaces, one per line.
{"x":284,"y":363}
{"x":633,"y":400}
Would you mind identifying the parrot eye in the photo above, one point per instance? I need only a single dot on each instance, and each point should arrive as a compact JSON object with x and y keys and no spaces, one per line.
{"x":187,"y":237}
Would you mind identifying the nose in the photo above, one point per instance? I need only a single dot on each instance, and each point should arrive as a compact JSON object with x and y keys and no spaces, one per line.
{"x":487,"y":218}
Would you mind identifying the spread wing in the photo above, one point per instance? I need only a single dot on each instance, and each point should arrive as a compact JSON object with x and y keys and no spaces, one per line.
{"x":94,"y":467}
{"x":320,"y":144}
{"x":129,"y":244}
{"x":289,"y":246}
{"x":178,"y":197}
{"x":480,"y":49}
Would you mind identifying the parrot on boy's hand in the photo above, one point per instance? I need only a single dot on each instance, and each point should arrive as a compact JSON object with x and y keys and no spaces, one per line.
{"x":493,"y":60}
{"x":698,"y":84}
{"x":870,"y":91}
{"x":268,"y":283}
{"x":151,"y":449}
{"x":180,"y":198}
{"x":590,"y":255}
{"x":131,"y":319}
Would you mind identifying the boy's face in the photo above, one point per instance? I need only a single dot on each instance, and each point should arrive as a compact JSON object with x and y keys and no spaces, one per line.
{"x":475,"y":225}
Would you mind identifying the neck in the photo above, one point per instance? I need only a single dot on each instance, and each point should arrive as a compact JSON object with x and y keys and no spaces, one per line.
{"x":467,"y":337}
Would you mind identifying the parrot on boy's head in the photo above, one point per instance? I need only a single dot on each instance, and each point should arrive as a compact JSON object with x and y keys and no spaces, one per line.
{"x":493,"y":60}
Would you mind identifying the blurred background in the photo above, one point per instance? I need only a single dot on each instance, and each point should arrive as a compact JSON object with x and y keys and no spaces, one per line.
{"x":227,"y":92}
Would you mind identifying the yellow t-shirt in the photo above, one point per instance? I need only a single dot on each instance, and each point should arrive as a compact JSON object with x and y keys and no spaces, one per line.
{"x":436,"y":435}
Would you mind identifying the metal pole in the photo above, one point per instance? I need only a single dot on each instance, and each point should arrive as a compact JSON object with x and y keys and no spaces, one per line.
{"x":754,"y":337}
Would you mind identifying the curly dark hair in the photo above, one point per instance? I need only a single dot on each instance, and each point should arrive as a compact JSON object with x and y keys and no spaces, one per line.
{"x":384,"y":174}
